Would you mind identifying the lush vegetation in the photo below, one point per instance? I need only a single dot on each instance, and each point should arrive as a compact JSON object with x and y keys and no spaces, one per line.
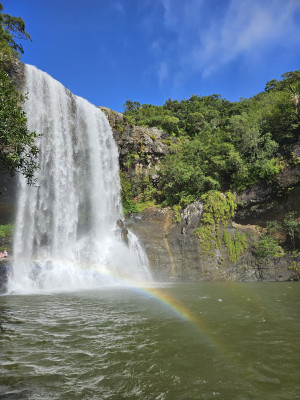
{"x":18,"y":151}
{"x":235,"y":245}
{"x":222,"y":145}
{"x":219,"y":208}
{"x":269,"y":245}
{"x":140,"y":189}
{"x":6,"y":233}
{"x":213,"y":233}
{"x":219,"y":147}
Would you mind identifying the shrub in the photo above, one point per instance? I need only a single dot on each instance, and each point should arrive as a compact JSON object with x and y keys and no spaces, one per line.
{"x":291,"y":226}
{"x":267,"y":246}
{"x":6,"y":233}
{"x":235,"y":246}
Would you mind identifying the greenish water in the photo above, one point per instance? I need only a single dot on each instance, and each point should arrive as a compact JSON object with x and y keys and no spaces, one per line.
{"x":181,"y":341}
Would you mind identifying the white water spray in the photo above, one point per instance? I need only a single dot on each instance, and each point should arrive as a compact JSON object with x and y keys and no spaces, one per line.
{"x":66,"y":233}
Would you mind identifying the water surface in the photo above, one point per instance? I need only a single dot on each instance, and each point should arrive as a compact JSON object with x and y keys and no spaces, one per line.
{"x":181,"y":341}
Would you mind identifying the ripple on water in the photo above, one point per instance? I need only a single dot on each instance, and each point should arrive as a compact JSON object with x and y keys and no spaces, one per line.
{"x":93,"y":346}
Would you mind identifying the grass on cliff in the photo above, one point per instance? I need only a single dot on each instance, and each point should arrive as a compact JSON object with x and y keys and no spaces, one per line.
{"x":219,"y":209}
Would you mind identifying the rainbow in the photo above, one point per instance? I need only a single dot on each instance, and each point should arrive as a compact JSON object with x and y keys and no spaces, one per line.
{"x":157,"y":292}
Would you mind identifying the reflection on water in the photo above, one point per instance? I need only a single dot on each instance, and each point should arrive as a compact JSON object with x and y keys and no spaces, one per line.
{"x":183,"y":341}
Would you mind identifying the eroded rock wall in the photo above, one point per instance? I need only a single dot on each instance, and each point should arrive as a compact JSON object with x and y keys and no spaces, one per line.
{"x":175,"y":253}
{"x":140,"y":148}
{"x":173,"y":250}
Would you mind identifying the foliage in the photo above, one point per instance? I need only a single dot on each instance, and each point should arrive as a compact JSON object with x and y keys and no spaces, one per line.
{"x":207,"y":238}
{"x":126,"y":195}
{"x":11,"y":30}
{"x":177,"y":216}
{"x":219,"y":208}
{"x":149,"y":115}
{"x":132,"y":204}
{"x":295,"y":266}
{"x":142,"y":188}
{"x":18,"y":151}
{"x":273,"y":227}
{"x":235,"y":246}
{"x":6,"y":232}
{"x":291,"y":226}
{"x":267,"y":246}
{"x":223,"y":145}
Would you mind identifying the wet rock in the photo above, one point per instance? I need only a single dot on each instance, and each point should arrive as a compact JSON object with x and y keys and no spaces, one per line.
{"x":124,"y":230}
{"x":175,"y":254}
{"x":5,"y":268}
{"x":191,"y":217}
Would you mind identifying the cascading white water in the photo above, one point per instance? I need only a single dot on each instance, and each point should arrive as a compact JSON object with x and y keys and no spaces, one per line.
{"x":66,"y":233}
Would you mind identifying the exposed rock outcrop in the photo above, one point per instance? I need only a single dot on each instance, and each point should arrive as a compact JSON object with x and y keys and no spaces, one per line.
{"x":191,"y":217}
{"x":272,"y":201}
{"x":174,"y":251}
{"x":140,"y":148}
{"x":17,"y":73}
{"x":176,"y":254}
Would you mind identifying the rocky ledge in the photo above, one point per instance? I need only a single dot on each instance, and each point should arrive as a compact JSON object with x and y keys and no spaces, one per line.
{"x":140,"y":148}
{"x":175,"y":253}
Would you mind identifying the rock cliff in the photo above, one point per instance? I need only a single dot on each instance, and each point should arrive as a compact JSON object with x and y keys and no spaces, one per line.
{"x":267,"y":201}
{"x":140,"y":148}
{"x":174,"y":251}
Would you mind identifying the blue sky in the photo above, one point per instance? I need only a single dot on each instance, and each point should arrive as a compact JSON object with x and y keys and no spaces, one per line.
{"x":108,"y":51}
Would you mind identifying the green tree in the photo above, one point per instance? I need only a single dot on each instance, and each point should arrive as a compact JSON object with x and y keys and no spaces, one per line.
{"x":12,"y":29}
{"x":221,"y":145}
{"x":295,"y":95}
{"x":267,"y":246}
{"x":291,"y":226}
{"x":18,"y":151}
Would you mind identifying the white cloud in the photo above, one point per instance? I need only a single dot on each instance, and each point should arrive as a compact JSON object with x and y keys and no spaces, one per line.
{"x":207,"y":38}
{"x":248,"y":27}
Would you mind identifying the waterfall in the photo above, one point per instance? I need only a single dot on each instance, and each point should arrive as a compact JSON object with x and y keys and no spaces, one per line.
{"x":66,"y":235}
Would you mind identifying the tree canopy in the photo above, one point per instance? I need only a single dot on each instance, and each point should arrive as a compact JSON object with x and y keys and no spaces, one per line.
{"x":18,"y":151}
{"x":12,"y":29}
{"x":223,"y":145}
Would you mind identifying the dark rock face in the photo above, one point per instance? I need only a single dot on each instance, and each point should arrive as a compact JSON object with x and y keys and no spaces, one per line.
{"x":17,"y":73}
{"x":140,"y":148}
{"x":8,"y":198}
{"x":177,"y":255}
{"x":173,"y":250}
{"x":123,"y":230}
{"x":271,"y":201}
{"x":261,"y":209}
{"x":191,"y":217}
{"x":5,"y":267}
{"x":172,"y":255}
